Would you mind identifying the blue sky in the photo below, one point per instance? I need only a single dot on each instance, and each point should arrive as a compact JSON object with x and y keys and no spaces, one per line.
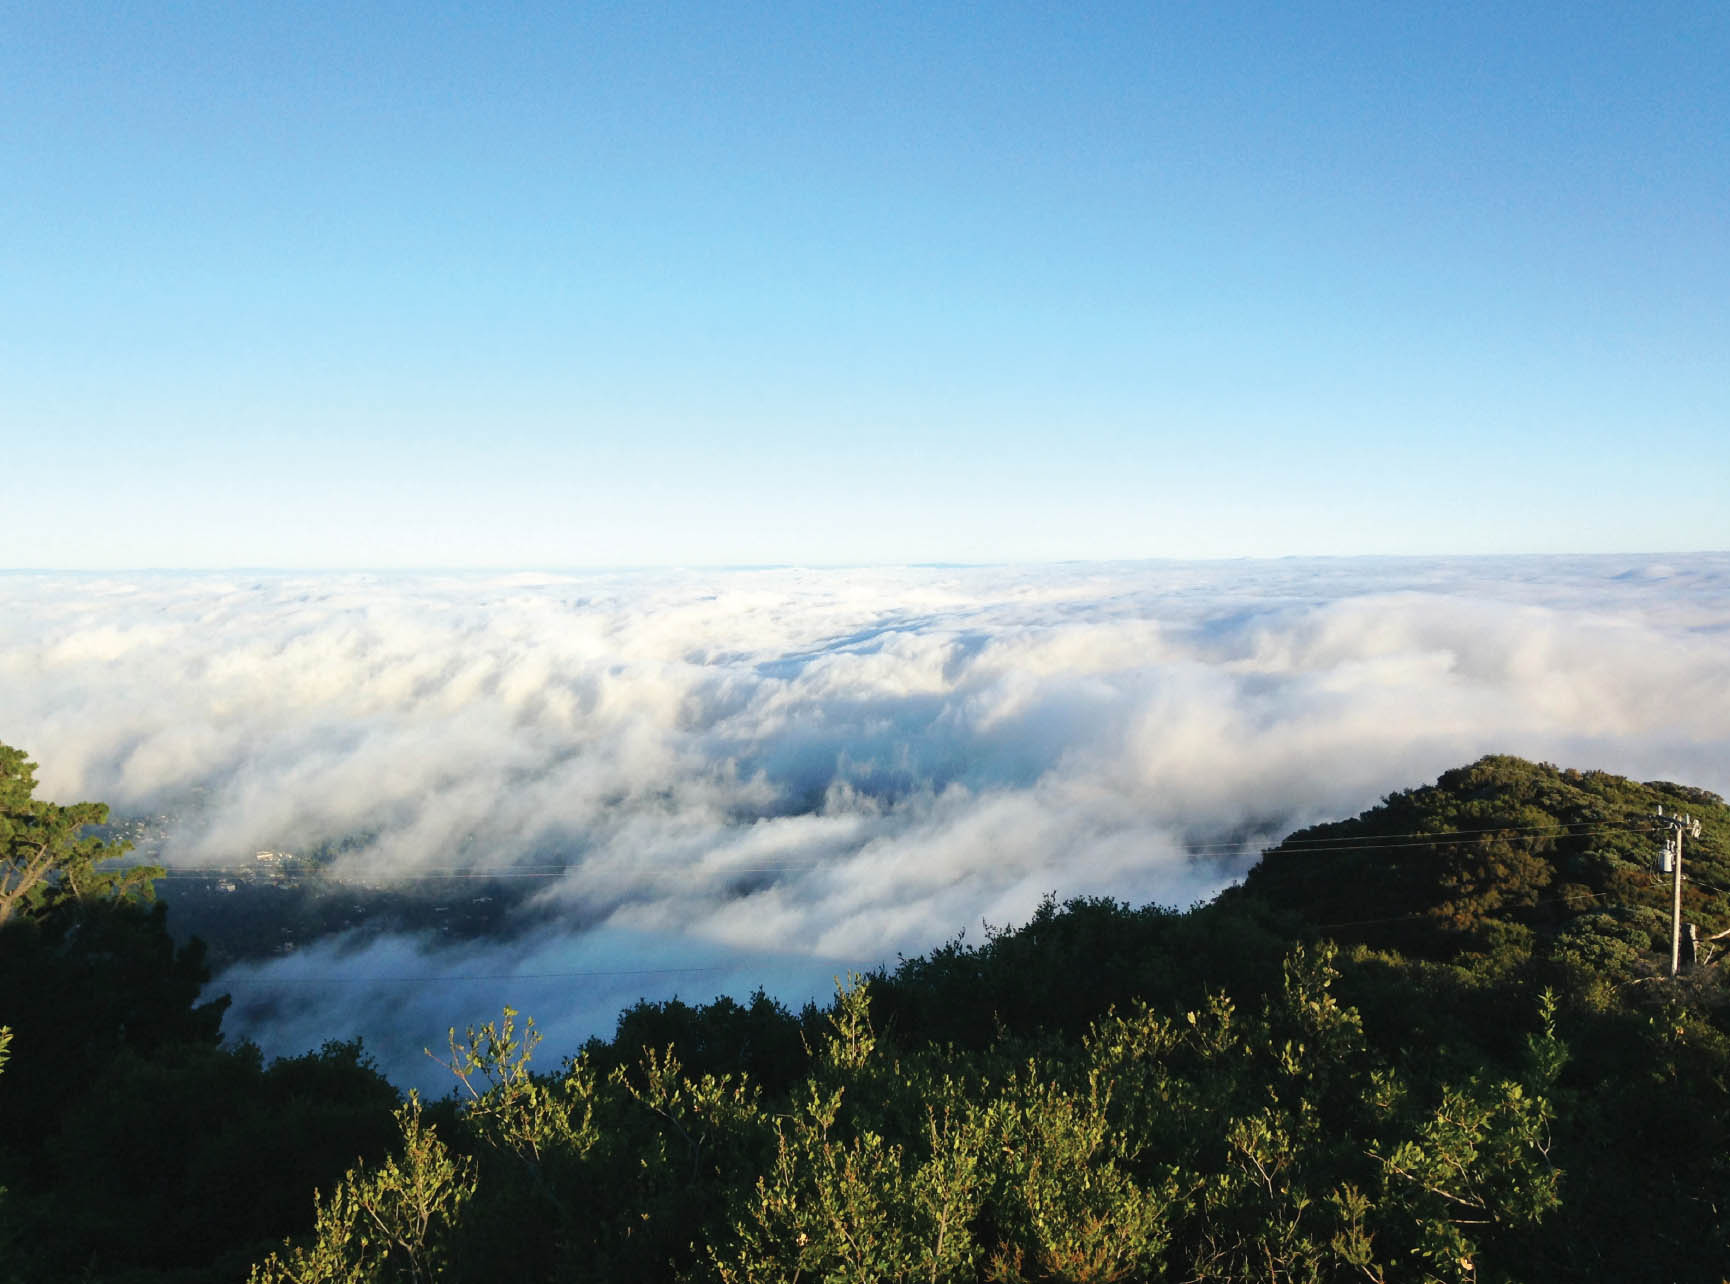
{"x":398,"y":285}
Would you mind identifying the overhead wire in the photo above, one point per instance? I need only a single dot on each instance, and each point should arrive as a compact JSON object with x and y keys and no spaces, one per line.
{"x":468,"y":976}
{"x":1569,"y":898}
{"x":1365,"y":843}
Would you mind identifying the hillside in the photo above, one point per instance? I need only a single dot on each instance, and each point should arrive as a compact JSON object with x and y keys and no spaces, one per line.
{"x":1513,"y":862}
{"x":1433,"y":1042}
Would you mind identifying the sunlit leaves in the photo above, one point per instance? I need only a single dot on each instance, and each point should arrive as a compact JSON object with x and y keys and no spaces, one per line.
{"x":391,"y":1223}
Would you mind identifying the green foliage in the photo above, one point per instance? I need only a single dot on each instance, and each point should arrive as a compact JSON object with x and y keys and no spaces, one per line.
{"x":1477,"y":1169}
{"x":625,"y":1172}
{"x":843,"y":1202}
{"x":1064,"y":1190}
{"x":1217,"y":1146}
{"x":1070,"y":962}
{"x":1595,"y":952}
{"x":213,"y":1162}
{"x":759,"y":1039}
{"x":6,"y":1229}
{"x":851,"y":1205}
{"x":1487,"y":1080}
{"x":91,"y":982}
{"x":134,"y":1145}
{"x":697,"y":1134}
{"x":511,"y":1110}
{"x":45,"y":858}
{"x":389,"y":1224}
{"x":1494,"y":863}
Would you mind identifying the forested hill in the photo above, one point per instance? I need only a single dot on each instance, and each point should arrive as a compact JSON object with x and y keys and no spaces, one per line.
{"x":1508,"y":859}
{"x":1438,"y":1042}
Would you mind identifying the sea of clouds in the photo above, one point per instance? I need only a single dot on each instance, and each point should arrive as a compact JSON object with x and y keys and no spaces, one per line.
{"x":771,"y":776}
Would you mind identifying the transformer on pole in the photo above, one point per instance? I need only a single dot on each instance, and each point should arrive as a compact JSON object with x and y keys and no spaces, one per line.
{"x":1670,"y":862}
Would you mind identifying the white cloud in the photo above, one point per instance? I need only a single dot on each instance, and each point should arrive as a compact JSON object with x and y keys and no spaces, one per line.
{"x":836,"y":765}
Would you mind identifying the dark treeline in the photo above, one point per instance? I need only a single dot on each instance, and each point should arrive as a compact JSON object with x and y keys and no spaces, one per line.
{"x":1436,"y":1042}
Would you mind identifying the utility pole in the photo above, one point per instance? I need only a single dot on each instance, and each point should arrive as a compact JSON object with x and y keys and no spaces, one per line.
{"x":1677,"y":825}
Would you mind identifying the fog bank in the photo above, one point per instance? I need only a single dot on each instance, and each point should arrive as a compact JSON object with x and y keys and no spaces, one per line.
{"x":770,"y":775}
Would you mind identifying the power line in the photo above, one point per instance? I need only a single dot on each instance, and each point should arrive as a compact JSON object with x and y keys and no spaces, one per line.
{"x":1562,"y":827}
{"x":203,"y":872}
{"x":1570,"y":898}
{"x":1363,"y":843}
{"x":1440,"y":841}
{"x":225,"y":980}
{"x":1369,"y":843}
{"x":463,"y":976}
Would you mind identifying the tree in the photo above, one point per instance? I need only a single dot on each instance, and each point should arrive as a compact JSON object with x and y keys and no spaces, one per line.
{"x":45,"y":857}
{"x":383,"y":1224}
{"x":6,"y":1235}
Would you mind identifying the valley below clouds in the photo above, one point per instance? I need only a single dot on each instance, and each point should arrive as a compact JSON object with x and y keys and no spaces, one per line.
{"x":725,"y":779}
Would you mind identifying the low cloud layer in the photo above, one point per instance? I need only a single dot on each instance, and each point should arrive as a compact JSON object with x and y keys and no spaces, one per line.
{"x":800,"y":770}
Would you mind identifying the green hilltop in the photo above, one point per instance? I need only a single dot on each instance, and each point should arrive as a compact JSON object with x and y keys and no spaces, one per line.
{"x":1437,"y":1041}
{"x":1505,"y":856}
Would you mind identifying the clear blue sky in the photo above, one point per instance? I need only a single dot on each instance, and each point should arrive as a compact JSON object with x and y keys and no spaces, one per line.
{"x":555,"y":284}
